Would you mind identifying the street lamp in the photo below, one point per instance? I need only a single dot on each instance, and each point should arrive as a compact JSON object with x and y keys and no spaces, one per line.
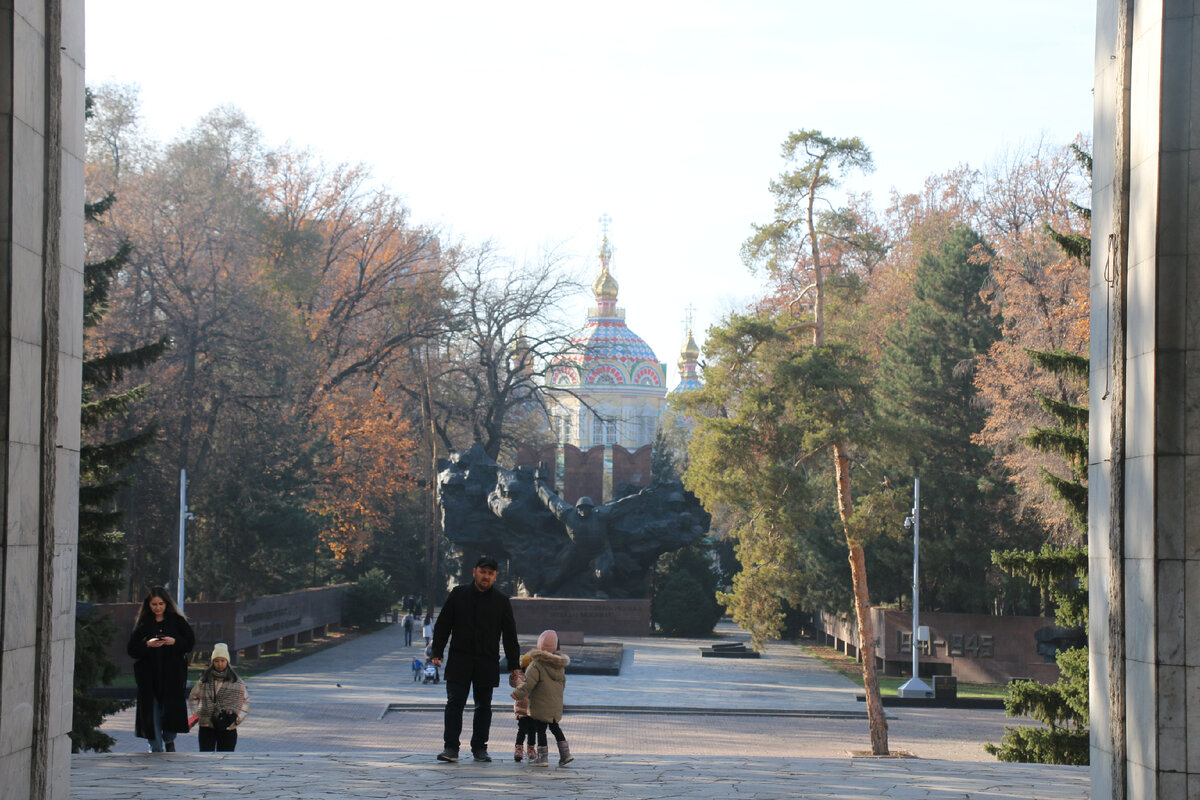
{"x":915,"y":687}
{"x":184,"y":516}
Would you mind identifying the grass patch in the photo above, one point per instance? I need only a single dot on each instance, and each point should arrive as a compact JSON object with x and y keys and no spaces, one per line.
{"x":888,"y":684}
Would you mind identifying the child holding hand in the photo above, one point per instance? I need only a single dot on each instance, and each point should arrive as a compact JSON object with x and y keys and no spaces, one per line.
{"x":525,"y":731}
{"x":543,"y":686}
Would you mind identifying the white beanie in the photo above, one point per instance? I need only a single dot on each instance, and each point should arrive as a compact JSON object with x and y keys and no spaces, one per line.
{"x":220,"y":650}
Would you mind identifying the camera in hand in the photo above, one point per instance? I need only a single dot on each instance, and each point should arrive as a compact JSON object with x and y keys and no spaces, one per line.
{"x":223,"y":719}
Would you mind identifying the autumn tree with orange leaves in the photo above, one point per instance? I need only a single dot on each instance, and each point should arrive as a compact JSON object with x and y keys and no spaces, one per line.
{"x":293,"y":292}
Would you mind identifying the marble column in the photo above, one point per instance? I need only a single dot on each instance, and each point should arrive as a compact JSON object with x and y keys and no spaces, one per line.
{"x":1144,"y":477}
{"x":41,"y":341}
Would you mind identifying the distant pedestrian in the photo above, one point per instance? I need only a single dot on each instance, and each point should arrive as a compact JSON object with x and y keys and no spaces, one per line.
{"x":159,"y":645}
{"x":408,"y":629}
{"x":475,"y":619}
{"x":544,"y":684}
{"x":219,"y":702}
{"x":427,"y":630}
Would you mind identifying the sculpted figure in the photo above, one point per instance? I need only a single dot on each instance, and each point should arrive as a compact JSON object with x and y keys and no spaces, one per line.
{"x":558,"y":549}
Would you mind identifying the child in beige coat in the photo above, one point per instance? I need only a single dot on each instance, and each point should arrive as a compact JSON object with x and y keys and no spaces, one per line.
{"x":543,"y":686}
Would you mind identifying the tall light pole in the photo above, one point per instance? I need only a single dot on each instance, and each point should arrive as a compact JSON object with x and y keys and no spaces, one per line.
{"x":184,"y":516}
{"x":915,"y":687}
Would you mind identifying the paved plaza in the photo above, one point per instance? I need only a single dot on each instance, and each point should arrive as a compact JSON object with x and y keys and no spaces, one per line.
{"x":350,"y":722}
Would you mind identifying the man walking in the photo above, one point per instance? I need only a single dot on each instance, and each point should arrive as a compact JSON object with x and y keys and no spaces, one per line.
{"x":475,"y":619}
{"x":408,"y":628}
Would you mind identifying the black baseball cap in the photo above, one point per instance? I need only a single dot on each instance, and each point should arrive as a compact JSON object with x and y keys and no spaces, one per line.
{"x":488,"y":561}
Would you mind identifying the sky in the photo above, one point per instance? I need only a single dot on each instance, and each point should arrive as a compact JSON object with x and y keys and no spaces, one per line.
{"x":524,"y":122}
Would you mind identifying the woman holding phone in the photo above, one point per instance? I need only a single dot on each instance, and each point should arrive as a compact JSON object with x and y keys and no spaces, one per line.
{"x":159,"y":646}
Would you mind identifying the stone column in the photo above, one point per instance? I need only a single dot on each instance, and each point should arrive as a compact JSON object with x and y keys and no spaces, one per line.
{"x":1144,"y":477}
{"x":41,"y":341}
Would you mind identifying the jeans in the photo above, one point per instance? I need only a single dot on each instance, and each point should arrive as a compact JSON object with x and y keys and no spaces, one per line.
{"x":407,"y":637}
{"x":456,"y":700}
{"x":161,"y":737}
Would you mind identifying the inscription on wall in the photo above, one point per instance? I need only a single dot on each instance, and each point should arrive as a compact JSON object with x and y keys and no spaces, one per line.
{"x":959,"y":645}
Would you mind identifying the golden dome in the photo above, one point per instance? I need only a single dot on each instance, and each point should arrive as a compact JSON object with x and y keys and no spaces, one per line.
{"x":605,"y":285}
{"x":691,"y":350}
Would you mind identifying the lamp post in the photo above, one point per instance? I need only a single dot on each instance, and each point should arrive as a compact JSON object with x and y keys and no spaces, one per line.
{"x":915,"y":687}
{"x":184,"y":516}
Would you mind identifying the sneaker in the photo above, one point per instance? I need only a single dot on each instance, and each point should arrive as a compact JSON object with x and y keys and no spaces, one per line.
{"x":448,"y":755}
{"x":480,"y":755}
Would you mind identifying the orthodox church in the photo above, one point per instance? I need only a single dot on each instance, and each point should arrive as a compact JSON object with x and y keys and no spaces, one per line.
{"x":611,"y":390}
{"x":617,"y":385}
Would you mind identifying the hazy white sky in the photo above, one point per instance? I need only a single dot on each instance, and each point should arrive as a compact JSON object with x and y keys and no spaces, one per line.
{"x":523,"y":122}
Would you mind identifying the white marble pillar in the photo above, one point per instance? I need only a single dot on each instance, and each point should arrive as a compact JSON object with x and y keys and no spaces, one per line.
{"x":41,"y":341}
{"x":1144,"y":477}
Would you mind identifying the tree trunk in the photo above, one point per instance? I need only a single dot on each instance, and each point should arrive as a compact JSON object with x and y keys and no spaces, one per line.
{"x":862,"y":607}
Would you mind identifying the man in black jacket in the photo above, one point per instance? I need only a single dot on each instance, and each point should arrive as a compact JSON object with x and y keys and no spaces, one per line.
{"x":475,"y":619}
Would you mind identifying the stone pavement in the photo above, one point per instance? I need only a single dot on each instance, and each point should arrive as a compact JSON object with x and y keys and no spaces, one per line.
{"x":350,"y":722}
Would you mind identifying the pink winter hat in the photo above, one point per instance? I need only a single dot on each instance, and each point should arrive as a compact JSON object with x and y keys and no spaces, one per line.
{"x":548,"y":641}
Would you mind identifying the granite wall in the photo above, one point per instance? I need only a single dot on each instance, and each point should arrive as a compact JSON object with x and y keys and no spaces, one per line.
{"x":41,"y":342}
{"x":1144,"y":465}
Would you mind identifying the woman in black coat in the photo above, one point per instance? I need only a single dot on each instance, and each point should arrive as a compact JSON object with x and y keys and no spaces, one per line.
{"x":159,"y":645}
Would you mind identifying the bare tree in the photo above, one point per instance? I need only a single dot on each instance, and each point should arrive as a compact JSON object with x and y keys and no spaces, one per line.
{"x":486,"y":378}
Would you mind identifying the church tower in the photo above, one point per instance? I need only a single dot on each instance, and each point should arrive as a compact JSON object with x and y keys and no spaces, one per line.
{"x":617,"y":388}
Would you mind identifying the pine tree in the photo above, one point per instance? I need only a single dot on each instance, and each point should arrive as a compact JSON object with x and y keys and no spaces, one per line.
{"x":1059,"y":571}
{"x":101,"y":462}
{"x":929,"y":411}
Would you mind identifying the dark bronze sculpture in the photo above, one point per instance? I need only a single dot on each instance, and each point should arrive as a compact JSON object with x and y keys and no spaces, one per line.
{"x":557,"y":549}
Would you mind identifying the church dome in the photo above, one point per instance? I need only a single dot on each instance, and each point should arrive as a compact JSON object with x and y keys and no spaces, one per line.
{"x":607,"y":352}
{"x":691,"y":350}
{"x":689,"y":378}
{"x":605,"y":286}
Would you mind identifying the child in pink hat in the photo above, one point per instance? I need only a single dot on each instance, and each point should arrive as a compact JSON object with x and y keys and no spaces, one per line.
{"x":545,"y":680}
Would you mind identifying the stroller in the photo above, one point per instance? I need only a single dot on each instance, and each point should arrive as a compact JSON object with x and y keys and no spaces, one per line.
{"x":432,"y":675}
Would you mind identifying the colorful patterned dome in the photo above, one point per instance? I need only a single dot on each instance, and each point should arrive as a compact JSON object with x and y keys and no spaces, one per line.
{"x":608,"y":352}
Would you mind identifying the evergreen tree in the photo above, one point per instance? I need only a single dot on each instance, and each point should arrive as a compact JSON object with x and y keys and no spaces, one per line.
{"x":1059,"y":571}
{"x":927,"y":401}
{"x":102,"y":459}
{"x":1068,"y":437}
{"x":683,"y":591}
{"x":1062,"y":706}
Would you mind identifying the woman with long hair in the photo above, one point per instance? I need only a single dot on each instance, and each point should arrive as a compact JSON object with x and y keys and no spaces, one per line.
{"x":159,"y":645}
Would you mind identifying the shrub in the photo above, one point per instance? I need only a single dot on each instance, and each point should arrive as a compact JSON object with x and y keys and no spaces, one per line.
{"x":682,"y":607}
{"x":368,"y":597}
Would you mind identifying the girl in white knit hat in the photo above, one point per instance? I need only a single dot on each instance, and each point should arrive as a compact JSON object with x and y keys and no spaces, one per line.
{"x":219,"y":702}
